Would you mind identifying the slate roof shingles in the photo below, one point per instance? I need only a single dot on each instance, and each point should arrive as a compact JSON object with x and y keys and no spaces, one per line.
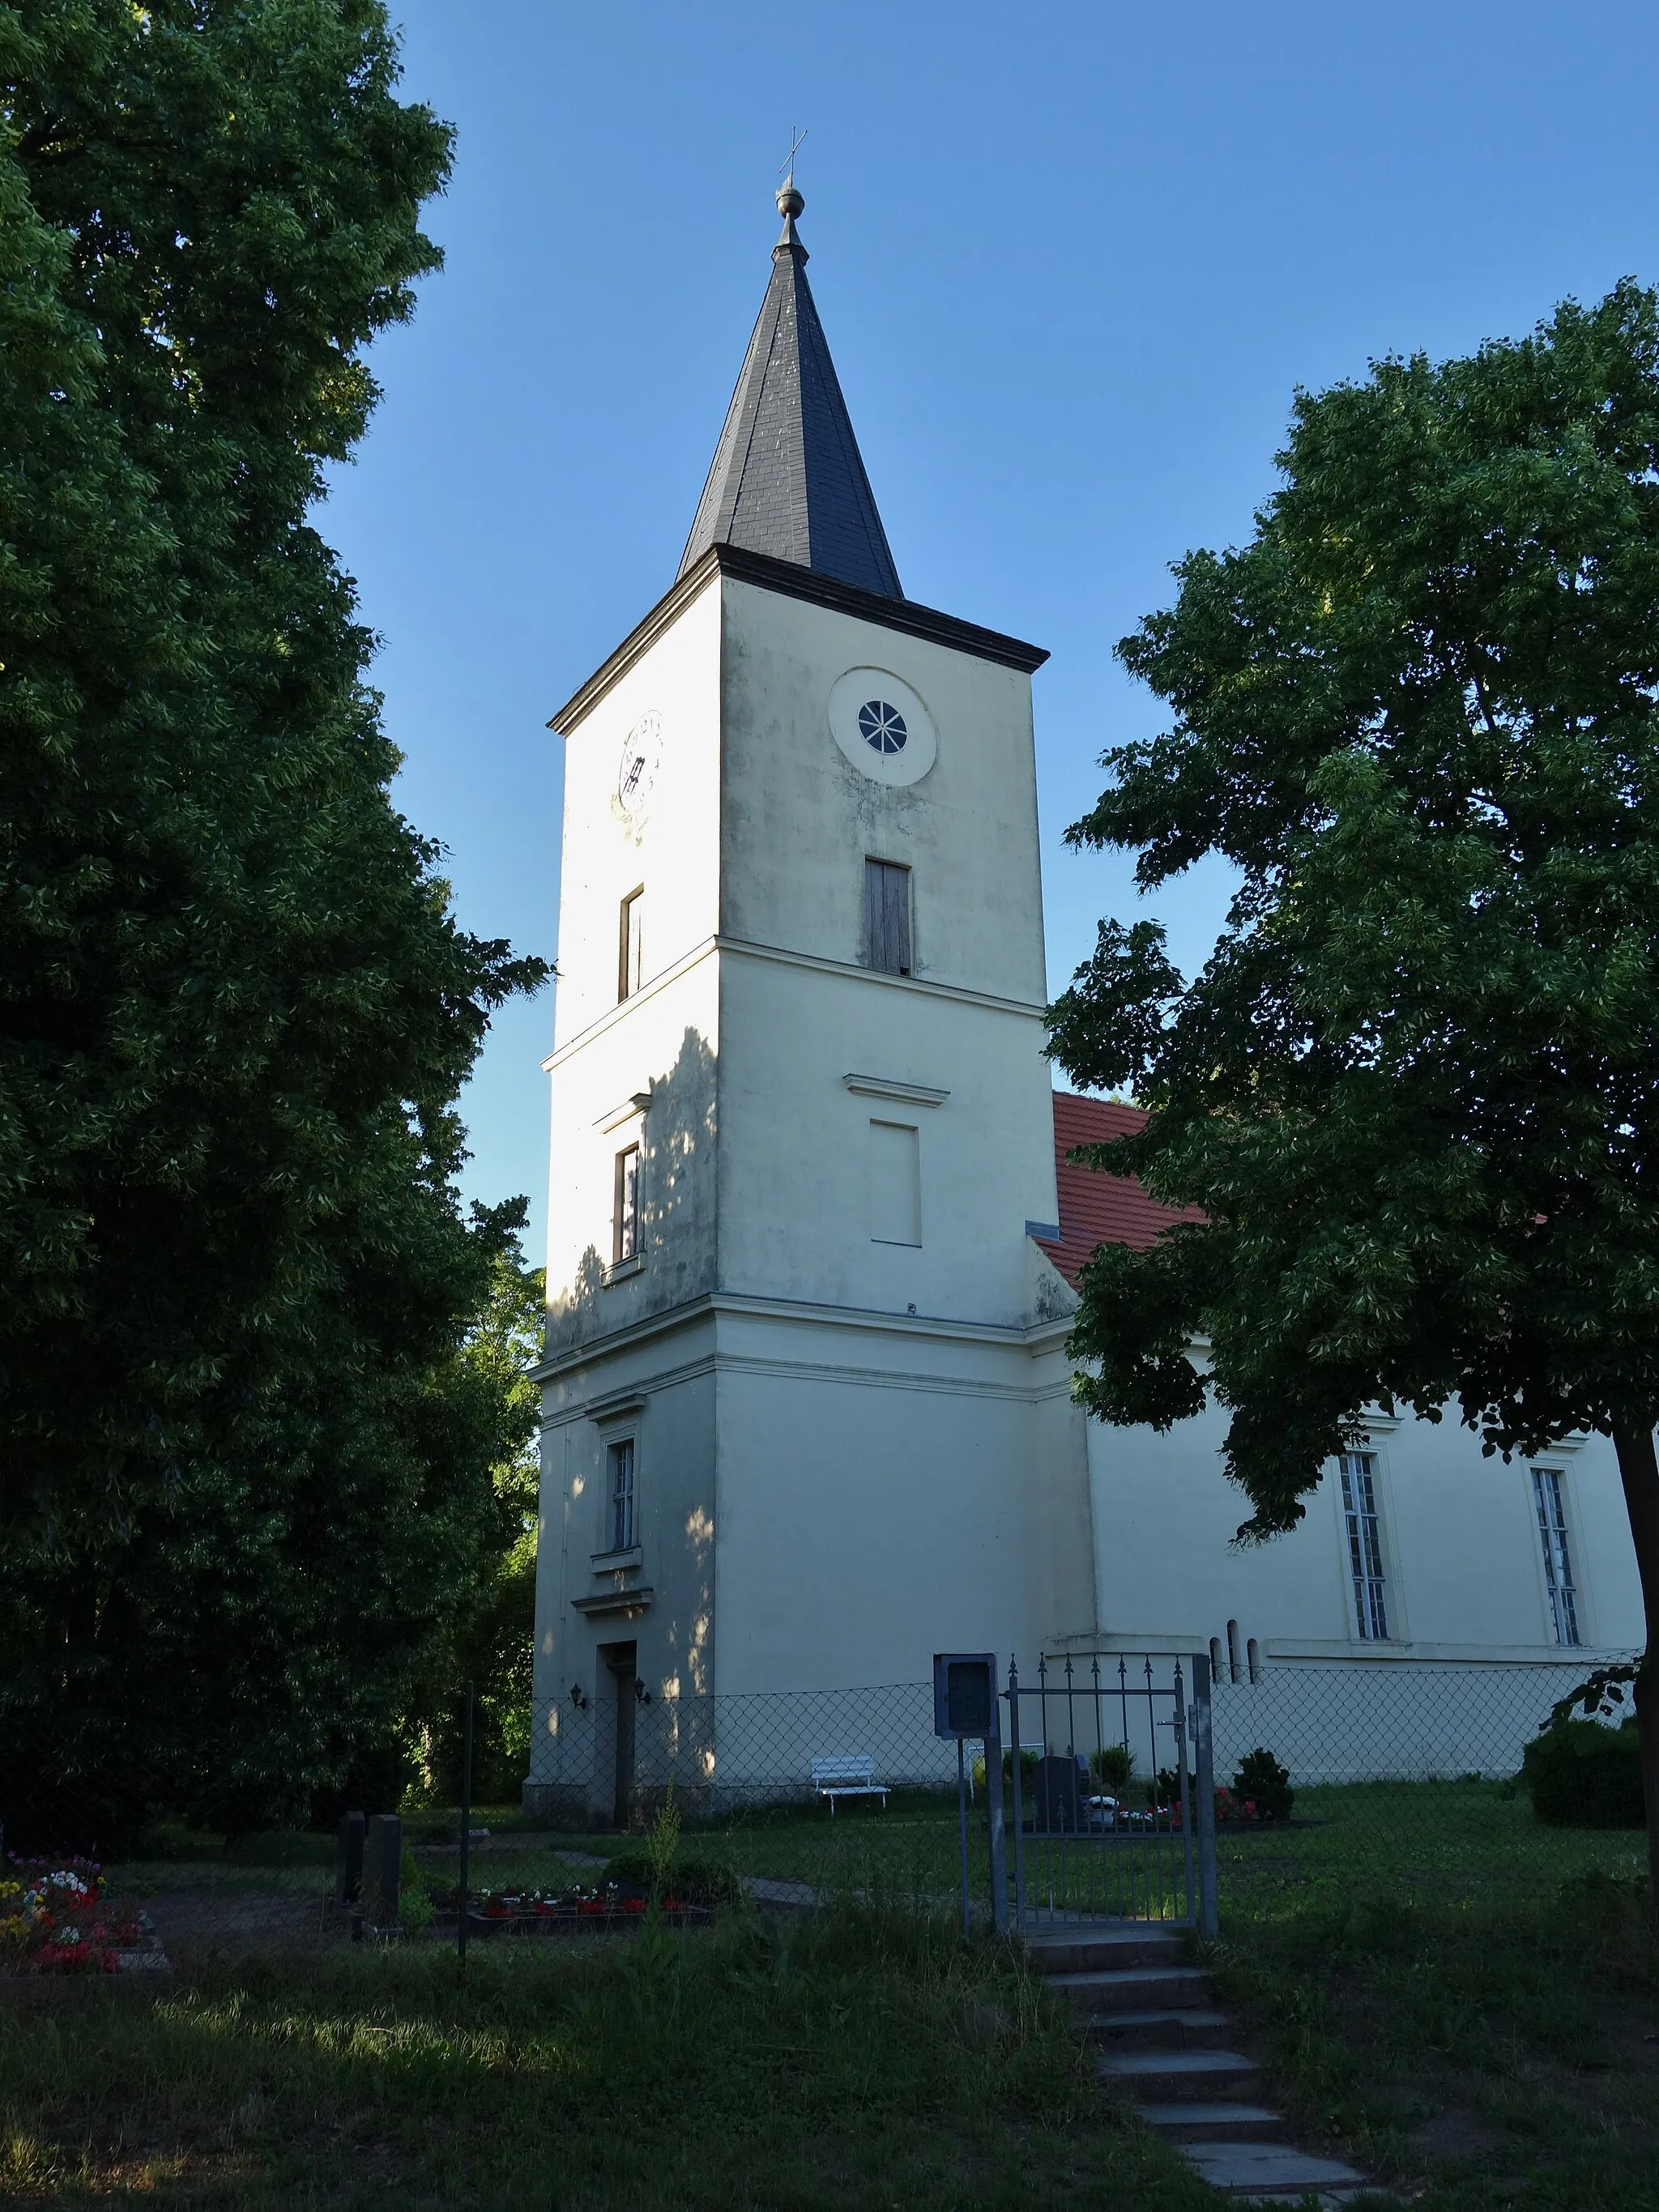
{"x":788,"y":478}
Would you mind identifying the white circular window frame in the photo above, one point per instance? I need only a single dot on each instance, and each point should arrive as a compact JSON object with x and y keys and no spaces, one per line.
{"x":921,"y":749}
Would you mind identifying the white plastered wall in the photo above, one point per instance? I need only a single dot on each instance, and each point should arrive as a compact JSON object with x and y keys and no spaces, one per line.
{"x":1462,"y":1557}
{"x":886,"y":1496}
{"x":797,"y":820}
{"x":850,"y":1453}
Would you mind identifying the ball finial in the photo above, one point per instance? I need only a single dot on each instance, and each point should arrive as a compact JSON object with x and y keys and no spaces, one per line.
{"x":790,"y":202}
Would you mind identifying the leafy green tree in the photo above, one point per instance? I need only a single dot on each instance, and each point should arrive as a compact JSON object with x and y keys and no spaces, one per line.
{"x":1415,"y":1089}
{"x":488,"y":1642}
{"x":244,"y":1468}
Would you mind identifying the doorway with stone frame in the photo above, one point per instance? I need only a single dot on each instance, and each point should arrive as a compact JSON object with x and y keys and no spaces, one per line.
{"x":621,"y":1661}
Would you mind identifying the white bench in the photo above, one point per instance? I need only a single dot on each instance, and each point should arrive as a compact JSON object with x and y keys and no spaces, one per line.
{"x":847,"y":1778}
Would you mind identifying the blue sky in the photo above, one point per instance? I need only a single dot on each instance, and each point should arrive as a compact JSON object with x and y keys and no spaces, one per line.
{"x":1072,"y":262}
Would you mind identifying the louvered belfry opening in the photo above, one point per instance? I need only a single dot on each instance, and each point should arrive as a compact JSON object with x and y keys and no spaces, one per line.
{"x":887,"y":916}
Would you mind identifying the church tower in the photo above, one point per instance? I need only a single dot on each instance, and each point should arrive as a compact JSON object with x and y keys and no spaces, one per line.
{"x":806,"y":1410}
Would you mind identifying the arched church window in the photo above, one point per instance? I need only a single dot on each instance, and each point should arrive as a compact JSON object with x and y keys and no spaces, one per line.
{"x":883,"y":726}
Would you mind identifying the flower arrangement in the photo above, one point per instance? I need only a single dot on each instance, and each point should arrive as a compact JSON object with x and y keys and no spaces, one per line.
{"x":55,"y":1919}
{"x":1231,"y":1811}
{"x":498,"y":1911}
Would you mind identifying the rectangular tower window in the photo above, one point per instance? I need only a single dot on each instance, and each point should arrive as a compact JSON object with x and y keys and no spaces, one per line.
{"x":1370,"y":1598}
{"x":619,"y":1488}
{"x":630,"y":947}
{"x":887,"y":916}
{"x":1558,"y":1560}
{"x":625,"y":1218}
{"x":895,"y":1183}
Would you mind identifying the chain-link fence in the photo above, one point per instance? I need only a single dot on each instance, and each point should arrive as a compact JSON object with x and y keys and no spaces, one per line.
{"x":1384,"y":1774}
{"x":778,"y":1799}
{"x":773,"y":1802}
{"x":1408,"y":1777}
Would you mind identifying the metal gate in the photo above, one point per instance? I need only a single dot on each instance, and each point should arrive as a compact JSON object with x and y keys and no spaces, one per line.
{"x":1113,"y":1799}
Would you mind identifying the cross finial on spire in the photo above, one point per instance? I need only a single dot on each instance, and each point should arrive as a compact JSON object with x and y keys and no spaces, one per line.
{"x":789,"y":200}
{"x":786,"y":479}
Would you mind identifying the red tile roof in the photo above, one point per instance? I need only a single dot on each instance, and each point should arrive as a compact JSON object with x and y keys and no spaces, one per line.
{"x":1100,"y":1209}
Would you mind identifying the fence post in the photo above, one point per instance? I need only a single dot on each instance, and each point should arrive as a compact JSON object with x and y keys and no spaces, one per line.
{"x":961,"y":1816}
{"x":1019,"y":1812}
{"x":467,"y":1829}
{"x":1208,"y":1913}
{"x":993,"y":1815}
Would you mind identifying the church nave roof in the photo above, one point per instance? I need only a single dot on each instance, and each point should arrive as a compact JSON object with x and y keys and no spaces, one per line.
{"x":1098,"y":1209}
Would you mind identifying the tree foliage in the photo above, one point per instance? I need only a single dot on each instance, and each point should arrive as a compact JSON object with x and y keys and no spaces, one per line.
{"x":489,"y":1641}
{"x":1414,"y":1089}
{"x":243,"y":1462}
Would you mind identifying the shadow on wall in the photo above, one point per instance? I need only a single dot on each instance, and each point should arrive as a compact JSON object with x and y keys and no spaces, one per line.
{"x":677,"y":1211}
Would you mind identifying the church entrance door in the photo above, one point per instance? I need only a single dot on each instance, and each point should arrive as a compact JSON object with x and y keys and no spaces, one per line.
{"x":623,"y":1660}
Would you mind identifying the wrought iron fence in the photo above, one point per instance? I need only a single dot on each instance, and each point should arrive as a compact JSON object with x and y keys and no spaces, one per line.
{"x":1112,"y":1811}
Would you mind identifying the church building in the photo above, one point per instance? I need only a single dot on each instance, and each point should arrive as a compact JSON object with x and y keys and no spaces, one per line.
{"x":814,"y":1232}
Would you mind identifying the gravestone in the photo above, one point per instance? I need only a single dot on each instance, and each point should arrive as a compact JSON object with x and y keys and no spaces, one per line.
{"x":383,"y":1855}
{"x":1059,"y":1796}
{"x":349,"y":1859}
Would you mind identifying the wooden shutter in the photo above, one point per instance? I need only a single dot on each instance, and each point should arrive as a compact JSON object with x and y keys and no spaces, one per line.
{"x":897,"y":902}
{"x":887,"y":916}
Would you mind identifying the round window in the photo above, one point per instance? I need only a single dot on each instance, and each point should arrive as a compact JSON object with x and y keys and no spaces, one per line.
{"x":882,"y":727}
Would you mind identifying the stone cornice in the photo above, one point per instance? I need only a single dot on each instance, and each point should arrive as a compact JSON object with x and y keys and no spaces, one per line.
{"x":1039,"y":1337}
{"x":790,"y":580}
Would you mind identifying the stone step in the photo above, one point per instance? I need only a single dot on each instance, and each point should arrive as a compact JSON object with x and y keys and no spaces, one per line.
{"x":1132,"y":1989}
{"x":1195,"y":2122}
{"x":1096,"y":1988}
{"x":1163,"y":2076}
{"x":1258,"y":2170}
{"x":1167,"y":2027}
{"x":1304,"y":2200}
{"x":1073,"y":1948}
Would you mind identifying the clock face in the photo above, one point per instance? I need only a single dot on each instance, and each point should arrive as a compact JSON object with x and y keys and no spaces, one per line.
{"x":641,"y":750}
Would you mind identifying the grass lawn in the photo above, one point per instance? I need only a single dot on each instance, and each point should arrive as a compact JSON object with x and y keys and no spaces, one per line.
{"x":1455,"y":1838}
{"x":853,"y":2061}
{"x":1467,"y":1840}
{"x":1489,"y":2051}
{"x":1465,"y":2003}
{"x":1462,"y":1839}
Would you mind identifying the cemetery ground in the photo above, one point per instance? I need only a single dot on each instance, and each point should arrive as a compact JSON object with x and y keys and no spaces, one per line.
{"x":854,"y":2059}
{"x":1458,"y":2000}
{"x":1487,"y":2052}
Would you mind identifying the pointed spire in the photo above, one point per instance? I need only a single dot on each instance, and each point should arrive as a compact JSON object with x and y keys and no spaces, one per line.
{"x":788,"y":478}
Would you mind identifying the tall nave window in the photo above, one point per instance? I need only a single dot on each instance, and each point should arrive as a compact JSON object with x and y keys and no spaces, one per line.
{"x":1558,"y":1560}
{"x":625,"y":1218}
{"x":621,"y":1488}
{"x":1371,"y":1596}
